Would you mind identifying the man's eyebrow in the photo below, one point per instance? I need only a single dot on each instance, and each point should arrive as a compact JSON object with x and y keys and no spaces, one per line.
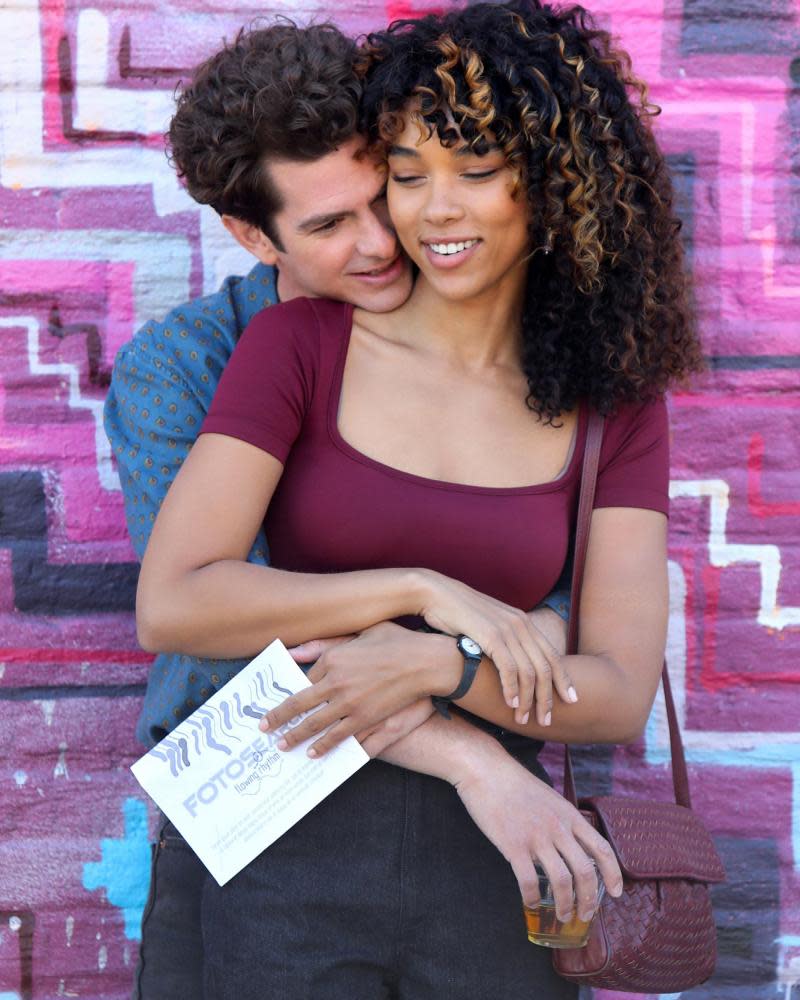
{"x":464,"y":150}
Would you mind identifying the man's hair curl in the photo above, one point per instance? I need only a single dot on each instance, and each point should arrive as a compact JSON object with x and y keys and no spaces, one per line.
{"x":277,"y":93}
{"x":607,"y":314}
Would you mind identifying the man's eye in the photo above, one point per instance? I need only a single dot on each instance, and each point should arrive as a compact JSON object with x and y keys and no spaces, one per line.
{"x":328,"y":227}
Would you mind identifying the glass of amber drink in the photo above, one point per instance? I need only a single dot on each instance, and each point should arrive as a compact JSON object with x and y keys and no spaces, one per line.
{"x":546,"y":929}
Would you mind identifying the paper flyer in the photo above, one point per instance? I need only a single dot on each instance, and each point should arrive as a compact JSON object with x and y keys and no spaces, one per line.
{"x":224,"y":784}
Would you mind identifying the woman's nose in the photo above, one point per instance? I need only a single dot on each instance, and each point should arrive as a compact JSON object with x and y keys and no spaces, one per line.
{"x":442,"y":204}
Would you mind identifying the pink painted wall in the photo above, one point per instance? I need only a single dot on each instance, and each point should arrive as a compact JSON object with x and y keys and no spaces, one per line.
{"x":96,"y":236}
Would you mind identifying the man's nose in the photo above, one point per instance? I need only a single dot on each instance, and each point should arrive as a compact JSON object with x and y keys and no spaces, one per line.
{"x":377,"y":237}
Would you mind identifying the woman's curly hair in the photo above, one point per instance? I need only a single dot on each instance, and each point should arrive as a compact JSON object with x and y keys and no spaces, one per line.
{"x":607,"y":315}
{"x":282,"y":92}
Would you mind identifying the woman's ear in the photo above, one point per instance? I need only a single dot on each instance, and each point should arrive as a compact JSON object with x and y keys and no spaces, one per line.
{"x":253,"y":239}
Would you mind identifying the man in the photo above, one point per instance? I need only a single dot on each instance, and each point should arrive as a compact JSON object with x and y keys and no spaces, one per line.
{"x":266,"y":133}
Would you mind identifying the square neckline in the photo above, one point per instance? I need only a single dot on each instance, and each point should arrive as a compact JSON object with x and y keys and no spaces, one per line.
{"x":342,"y":445}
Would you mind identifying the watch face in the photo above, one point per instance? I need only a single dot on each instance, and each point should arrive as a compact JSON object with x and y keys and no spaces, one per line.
{"x":469,"y":646}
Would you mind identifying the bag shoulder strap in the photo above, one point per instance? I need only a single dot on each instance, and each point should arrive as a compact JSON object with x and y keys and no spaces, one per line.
{"x":591,"y":461}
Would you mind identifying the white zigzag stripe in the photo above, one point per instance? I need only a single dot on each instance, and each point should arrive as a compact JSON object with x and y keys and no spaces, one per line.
{"x":723,"y":553}
{"x":108,"y":476}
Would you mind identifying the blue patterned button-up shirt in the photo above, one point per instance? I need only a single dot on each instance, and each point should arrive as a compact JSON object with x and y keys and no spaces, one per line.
{"x":161,"y":388}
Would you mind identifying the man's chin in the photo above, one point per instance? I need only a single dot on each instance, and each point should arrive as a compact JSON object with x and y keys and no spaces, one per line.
{"x":377,"y":298}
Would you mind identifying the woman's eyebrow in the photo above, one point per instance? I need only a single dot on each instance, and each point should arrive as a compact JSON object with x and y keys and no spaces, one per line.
{"x":464,"y":150}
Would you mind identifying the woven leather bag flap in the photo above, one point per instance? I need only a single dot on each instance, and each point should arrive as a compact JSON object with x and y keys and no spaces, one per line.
{"x":658,"y":937}
{"x":656,"y":839}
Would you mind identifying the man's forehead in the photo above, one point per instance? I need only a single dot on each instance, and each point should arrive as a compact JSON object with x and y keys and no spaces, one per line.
{"x":337,"y":183}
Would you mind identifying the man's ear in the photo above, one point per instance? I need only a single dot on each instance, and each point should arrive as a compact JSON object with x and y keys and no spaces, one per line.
{"x":253,"y":239}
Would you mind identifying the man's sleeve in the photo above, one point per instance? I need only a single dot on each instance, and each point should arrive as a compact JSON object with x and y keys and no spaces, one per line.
{"x":153,"y":414}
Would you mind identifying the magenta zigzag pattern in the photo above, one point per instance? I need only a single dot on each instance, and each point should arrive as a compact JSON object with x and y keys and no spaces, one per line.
{"x":97,"y":236}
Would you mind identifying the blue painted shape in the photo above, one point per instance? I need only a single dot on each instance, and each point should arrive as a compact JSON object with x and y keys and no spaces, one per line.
{"x":124,"y":868}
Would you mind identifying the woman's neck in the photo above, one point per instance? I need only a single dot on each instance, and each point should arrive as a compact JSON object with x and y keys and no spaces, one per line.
{"x":477,"y":333}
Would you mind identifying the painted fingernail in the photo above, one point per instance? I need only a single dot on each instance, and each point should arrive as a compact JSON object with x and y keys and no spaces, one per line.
{"x":572,"y":694}
{"x":548,"y":718}
{"x":282,"y":744}
{"x":515,"y":702}
{"x":311,"y":752}
{"x":525,"y":718}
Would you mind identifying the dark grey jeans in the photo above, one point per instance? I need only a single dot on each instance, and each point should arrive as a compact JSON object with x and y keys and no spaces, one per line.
{"x":171,"y":950}
{"x":386,"y":891}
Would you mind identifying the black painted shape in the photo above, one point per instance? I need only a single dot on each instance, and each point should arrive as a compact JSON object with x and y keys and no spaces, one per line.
{"x":730,"y":27}
{"x":683,"y":168}
{"x":747,"y":913}
{"x":64,"y":692}
{"x":25,"y":938}
{"x":793,"y":142}
{"x":99,"y":374}
{"x":128,"y":71}
{"x":41,"y":587}
{"x":754,"y":362}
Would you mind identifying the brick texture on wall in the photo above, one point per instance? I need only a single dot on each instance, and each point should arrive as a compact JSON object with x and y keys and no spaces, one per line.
{"x":97,"y":236}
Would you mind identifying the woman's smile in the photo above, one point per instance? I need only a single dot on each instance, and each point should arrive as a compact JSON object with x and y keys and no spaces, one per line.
{"x":456,"y":214}
{"x":449,"y":253}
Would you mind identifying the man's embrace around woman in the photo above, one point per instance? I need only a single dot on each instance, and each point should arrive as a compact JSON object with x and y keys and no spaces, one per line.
{"x":415,"y":458}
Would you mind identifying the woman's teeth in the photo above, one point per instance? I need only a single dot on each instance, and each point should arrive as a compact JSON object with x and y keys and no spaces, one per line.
{"x":448,"y":248}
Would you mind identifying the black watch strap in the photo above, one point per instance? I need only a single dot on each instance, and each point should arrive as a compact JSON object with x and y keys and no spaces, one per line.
{"x":442,"y":702}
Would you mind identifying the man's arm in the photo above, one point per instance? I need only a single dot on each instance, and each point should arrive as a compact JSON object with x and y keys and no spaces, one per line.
{"x":525,"y":819}
{"x":161,"y":386}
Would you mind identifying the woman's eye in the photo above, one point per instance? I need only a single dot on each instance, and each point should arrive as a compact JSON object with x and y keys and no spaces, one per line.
{"x":405,"y":179}
{"x":477,"y":176}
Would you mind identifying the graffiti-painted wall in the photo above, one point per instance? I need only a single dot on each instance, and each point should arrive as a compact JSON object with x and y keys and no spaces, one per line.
{"x":96,"y":236}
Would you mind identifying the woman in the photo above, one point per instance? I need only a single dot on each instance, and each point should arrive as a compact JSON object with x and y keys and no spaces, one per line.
{"x":424,"y":465}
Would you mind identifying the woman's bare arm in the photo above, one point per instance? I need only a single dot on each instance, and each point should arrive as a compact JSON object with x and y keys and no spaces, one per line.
{"x":623,"y":630}
{"x":198,"y":595}
{"x":622,"y":635}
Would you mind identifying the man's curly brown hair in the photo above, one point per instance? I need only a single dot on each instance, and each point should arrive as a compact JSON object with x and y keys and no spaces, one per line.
{"x":282,"y":92}
{"x":606,"y":315}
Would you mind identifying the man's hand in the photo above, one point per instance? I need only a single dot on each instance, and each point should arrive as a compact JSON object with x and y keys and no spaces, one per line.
{"x":379,"y":738}
{"x":529,"y":822}
{"x":552,"y":626}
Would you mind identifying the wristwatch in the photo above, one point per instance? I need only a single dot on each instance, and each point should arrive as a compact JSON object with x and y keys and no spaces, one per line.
{"x":472,"y":654}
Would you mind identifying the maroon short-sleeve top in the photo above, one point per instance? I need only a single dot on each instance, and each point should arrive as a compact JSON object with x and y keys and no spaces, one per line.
{"x":336,"y":510}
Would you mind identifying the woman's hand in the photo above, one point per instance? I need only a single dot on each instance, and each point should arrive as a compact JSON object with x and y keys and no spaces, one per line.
{"x":527,"y":662}
{"x":359,"y":683}
{"x":530,"y":823}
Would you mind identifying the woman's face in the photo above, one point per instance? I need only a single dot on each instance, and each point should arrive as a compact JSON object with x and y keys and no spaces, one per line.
{"x":456,"y":217}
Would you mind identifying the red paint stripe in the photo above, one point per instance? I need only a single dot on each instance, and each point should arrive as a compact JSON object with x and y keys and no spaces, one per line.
{"x":397,"y":10}
{"x":18,"y":654}
{"x":730,"y":401}
{"x":756,"y":504}
{"x":710,"y":578}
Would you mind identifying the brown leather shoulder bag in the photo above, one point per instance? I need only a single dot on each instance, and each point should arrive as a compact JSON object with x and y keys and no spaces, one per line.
{"x":659,"y":935}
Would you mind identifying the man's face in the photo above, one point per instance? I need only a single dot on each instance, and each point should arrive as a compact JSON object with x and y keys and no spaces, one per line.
{"x":334,"y":227}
